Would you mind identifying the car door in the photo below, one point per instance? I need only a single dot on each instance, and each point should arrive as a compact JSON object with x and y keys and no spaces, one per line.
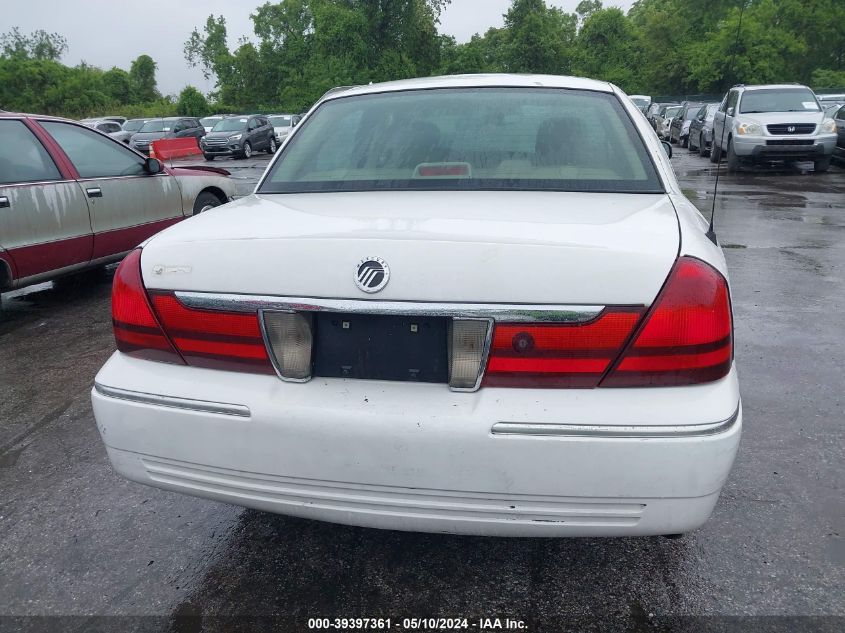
{"x":197,"y":130}
{"x":839,"y":118}
{"x":254,"y":134}
{"x":127,"y":204}
{"x":44,"y":222}
{"x":728,"y":112}
{"x":267,"y":130}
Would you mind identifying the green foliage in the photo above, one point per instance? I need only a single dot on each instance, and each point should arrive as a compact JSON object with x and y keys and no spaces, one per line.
{"x":824,"y":78}
{"x":142,"y":79}
{"x":191,"y":103}
{"x":39,"y":45}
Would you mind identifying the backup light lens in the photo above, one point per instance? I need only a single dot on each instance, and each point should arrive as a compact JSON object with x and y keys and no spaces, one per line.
{"x":467,"y":342}
{"x":291,"y":338}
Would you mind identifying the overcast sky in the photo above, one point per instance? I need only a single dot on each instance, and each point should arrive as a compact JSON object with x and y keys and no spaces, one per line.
{"x":106,"y":33}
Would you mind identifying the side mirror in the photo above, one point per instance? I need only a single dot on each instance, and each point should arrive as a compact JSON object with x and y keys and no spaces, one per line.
{"x":731,"y":111}
{"x":667,"y":148}
{"x":153,"y":166}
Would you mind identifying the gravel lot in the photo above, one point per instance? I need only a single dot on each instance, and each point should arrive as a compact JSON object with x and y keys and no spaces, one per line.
{"x":80,"y":541}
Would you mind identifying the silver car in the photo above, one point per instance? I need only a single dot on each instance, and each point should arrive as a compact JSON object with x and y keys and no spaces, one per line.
{"x":110,"y":127}
{"x":778,"y":122}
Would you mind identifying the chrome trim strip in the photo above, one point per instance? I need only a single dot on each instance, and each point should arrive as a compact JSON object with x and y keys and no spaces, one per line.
{"x":612,"y":431}
{"x":201,"y":406}
{"x":514,"y":313}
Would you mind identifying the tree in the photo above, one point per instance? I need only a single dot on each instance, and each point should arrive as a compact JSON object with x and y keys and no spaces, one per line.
{"x":142,"y":78}
{"x":608,"y":48}
{"x":539,"y":38}
{"x":39,"y":45}
{"x":191,"y":103}
{"x":117,"y":85}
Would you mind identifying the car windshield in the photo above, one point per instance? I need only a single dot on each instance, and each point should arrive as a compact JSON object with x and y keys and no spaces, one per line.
{"x":133,"y":125}
{"x":280,"y":121}
{"x":156,"y":125}
{"x":209,"y":121}
{"x":671,"y":112}
{"x":467,"y":139}
{"x":640,"y":102}
{"x":778,"y":100}
{"x":691,"y":112}
{"x":233,"y":124}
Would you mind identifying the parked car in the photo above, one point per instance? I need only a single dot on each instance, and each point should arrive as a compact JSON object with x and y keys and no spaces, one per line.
{"x":831,"y":107}
{"x":118,"y":119}
{"x":239,"y":136}
{"x":210,"y":121}
{"x":652,"y":112}
{"x":831,"y":97}
{"x":641,"y":101}
{"x":663,"y":120}
{"x":701,"y":129}
{"x":679,"y":128}
{"x":134,"y":126}
{"x":170,"y":127}
{"x":778,"y":122}
{"x":839,"y":121}
{"x":418,"y":322}
{"x":72,"y":198}
{"x":283,"y":125}
{"x":106,"y":126}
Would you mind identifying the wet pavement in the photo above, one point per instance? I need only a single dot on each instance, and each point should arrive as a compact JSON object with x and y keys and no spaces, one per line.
{"x":80,"y":541}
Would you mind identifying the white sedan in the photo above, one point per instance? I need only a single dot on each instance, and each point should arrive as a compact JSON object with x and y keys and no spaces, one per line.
{"x":475,"y":304}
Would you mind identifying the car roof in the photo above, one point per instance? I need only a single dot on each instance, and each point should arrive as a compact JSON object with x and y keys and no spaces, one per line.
{"x":769,"y":86}
{"x":476,"y":81}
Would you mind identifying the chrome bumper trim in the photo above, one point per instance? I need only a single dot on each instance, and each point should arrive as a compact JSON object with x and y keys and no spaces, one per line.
{"x":514,"y":313}
{"x":612,"y":431}
{"x":201,"y":406}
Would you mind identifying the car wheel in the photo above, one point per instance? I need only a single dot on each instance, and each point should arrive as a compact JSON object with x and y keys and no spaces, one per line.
{"x":205,"y":201}
{"x":247,"y":151}
{"x":733,"y":159}
{"x":822,"y":164}
{"x":702,"y":147}
{"x":272,"y":148}
{"x":716,"y":153}
{"x":208,"y":157}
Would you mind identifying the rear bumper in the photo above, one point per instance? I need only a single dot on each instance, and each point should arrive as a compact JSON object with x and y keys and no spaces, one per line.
{"x":419,"y":457}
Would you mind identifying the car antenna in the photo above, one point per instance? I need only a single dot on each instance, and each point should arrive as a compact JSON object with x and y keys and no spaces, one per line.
{"x":711,"y":230}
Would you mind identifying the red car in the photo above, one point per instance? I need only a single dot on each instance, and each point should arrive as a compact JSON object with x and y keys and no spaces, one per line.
{"x":73,"y":198}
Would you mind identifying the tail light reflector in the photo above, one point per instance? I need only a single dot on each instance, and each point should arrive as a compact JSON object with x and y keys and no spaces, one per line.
{"x":214,"y":339}
{"x":558,"y":354}
{"x":687,"y":335}
{"x":290,"y":335}
{"x":137,"y":331}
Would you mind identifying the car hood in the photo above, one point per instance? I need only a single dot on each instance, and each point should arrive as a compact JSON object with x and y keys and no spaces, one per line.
{"x":767,"y":118}
{"x":149,"y":136}
{"x":511,"y":247}
{"x":223,"y":134}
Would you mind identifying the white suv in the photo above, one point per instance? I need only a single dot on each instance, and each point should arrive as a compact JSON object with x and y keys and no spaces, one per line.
{"x":772,"y":123}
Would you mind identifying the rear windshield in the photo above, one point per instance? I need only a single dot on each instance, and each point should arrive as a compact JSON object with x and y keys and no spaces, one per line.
{"x":691,"y":112}
{"x":133,"y":125}
{"x":280,"y":121}
{"x":778,"y":100}
{"x":671,"y":112}
{"x":232,"y":124}
{"x":157,"y":125}
{"x":467,"y":139}
{"x":209,"y":122}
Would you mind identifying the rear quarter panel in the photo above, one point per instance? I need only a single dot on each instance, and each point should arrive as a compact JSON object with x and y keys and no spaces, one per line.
{"x":191,"y":183}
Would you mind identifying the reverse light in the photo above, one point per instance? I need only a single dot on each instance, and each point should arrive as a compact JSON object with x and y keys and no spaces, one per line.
{"x":291,"y":337}
{"x":467,"y":343}
{"x":137,"y":331}
{"x":686,"y":337}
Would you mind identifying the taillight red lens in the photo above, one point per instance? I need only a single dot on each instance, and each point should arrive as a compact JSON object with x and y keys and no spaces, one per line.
{"x":213,"y":339}
{"x":687,"y":335}
{"x":136,"y":330}
{"x":558,"y":355}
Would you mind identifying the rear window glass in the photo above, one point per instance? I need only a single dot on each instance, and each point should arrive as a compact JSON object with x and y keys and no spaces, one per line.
{"x":158,"y":125}
{"x":22,"y":157}
{"x":467,"y":139}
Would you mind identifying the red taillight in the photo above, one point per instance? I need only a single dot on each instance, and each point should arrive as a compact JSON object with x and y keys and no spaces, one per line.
{"x":213,"y":339}
{"x":558,"y":355}
{"x":137,"y":332}
{"x":687,"y":335}
{"x":156,"y":326}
